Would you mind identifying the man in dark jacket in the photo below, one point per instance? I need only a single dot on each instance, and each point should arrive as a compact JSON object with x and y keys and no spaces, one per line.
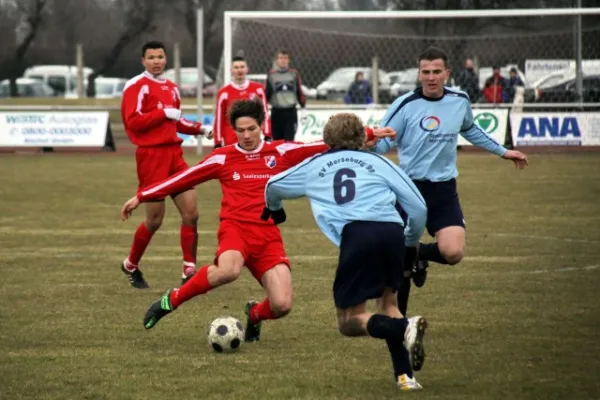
{"x":468,"y":80}
{"x":284,"y":92}
{"x":513,"y":82}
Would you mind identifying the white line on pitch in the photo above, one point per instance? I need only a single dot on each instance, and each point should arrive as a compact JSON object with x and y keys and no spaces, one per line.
{"x":518,"y":235}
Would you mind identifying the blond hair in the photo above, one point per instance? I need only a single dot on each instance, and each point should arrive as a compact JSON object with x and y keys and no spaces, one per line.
{"x":344,"y":131}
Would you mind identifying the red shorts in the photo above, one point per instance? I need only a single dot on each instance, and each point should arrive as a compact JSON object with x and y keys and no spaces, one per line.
{"x":155,"y":164}
{"x":260,"y":245}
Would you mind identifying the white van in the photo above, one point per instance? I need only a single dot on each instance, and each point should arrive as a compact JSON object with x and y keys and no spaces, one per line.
{"x":106,"y":88}
{"x":61,"y":78}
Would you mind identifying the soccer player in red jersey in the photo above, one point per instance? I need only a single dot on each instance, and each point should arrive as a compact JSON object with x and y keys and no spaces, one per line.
{"x":151,"y":114}
{"x":240,"y":88}
{"x":244,"y":238}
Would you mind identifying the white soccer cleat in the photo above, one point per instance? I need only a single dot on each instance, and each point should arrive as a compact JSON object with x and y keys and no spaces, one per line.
{"x":413,"y":341}
{"x":408,"y":384}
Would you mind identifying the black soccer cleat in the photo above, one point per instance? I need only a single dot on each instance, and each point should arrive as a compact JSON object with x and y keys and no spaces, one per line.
{"x":158,"y":309}
{"x":185,"y":278}
{"x":419,"y":272}
{"x":136,"y":277}
{"x":252,"y":332}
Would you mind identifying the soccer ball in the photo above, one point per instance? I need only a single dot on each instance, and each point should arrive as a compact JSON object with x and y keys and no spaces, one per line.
{"x":226,"y":335}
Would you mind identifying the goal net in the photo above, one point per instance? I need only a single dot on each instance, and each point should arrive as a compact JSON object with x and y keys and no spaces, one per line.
{"x":328,"y":48}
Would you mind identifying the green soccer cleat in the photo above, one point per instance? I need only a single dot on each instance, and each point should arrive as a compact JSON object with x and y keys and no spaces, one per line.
{"x":252,"y":332}
{"x":157,"y":310}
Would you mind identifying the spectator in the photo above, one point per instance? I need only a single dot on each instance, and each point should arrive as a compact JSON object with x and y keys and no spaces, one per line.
{"x":514,"y":81}
{"x":359,"y":91}
{"x":468,"y":81}
{"x":495,"y":87}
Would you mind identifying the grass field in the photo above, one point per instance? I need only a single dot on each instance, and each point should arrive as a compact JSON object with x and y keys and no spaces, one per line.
{"x":519,"y":318}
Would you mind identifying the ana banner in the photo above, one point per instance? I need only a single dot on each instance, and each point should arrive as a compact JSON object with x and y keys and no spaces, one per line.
{"x":53,"y":129}
{"x":555,"y":129}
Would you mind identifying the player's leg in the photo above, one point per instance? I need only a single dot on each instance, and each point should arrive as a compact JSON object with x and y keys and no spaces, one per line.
{"x":150,"y":169}
{"x":277,"y":282}
{"x":445,"y":221}
{"x":291,"y":125}
{"x":277,"y":124}
{"x":450,"y":245}
{"x":356,"y":321}
{"x":415,"y":332}
{"x":186,"y":203}
{"x":188,"y":210}
{"x":230,"y":264}
{"x":155,"y":212}
{"x":229,"y":261}
{"x":269,"y":265}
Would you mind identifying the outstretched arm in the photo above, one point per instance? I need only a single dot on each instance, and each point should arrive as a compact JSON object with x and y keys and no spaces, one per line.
{"x":475,"y":135}
{"x":207,"y":169}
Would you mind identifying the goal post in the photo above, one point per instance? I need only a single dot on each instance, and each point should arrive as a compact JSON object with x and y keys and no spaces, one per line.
{"x":536,"y":42}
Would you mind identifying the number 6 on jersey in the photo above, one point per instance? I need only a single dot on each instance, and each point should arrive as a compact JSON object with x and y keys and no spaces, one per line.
{"x":344,"y":188}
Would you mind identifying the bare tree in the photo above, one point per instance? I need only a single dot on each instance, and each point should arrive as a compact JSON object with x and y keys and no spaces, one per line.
{"x":31,"y":14}
{"x":137,"y":19}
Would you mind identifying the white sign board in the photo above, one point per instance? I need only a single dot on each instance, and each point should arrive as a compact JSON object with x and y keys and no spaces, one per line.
{"x":493,"y":122}
{"x":555,"y":129}
{"x":53,"y":129}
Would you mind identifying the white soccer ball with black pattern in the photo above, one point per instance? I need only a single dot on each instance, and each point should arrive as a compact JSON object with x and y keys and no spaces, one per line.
{"x":226,"y":335}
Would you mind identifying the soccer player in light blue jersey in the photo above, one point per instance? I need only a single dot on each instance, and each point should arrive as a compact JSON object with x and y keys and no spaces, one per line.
{"x":353,"y":195}
{"x":428,"y":121}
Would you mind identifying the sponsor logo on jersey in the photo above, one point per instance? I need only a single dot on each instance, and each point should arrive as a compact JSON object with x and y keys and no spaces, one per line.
{"x":430,"y":123}
{"x":236,"y":176}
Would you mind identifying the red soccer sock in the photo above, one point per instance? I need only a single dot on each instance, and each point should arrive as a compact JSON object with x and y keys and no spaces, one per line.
{"x":141,"y":239}
{"x":198,"y":284}
{"x":189,"y":246}
{"x":262,"y":311}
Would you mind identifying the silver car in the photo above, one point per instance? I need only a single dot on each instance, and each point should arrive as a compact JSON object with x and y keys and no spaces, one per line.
{"x":337,"y":83}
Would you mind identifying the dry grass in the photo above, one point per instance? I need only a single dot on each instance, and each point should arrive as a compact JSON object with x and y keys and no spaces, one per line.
{"x":518,"y":319}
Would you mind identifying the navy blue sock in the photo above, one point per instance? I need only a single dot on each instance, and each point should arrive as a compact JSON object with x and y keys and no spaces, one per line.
{"x":400,"y":358}
{"x":431,"y":252}
{"x":383,"y":327}
{"x":402,"y":296}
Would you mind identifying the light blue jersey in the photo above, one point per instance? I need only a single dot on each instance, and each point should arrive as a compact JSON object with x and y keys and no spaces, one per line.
{"x":351,"y":185}
{"x":427,"y":133}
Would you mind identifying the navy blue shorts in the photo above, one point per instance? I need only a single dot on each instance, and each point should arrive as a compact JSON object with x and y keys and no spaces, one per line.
{"x":443,"y":207}
{"x":371,"y":259}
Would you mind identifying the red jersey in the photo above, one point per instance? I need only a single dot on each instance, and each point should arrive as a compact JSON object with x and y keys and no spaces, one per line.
{"x":146,"y":124}
{"x":222,"y":130}
{"x":243,"y":176}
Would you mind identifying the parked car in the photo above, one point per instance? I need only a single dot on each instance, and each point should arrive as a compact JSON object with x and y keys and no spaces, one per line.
{"x":309,"y":93}
{"x":532,"y":93}
{"x":395,"y":76}
{"x":27,"y":87}
{"x":189,"y":82}
{"x":337,"y":83}
{"x":61,"y":78}
{"x":406,"y":83}
{"x":106,"y":88}
{"x":566,"y":91}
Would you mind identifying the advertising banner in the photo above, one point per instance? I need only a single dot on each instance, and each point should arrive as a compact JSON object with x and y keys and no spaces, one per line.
{"x":53,"y":129}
